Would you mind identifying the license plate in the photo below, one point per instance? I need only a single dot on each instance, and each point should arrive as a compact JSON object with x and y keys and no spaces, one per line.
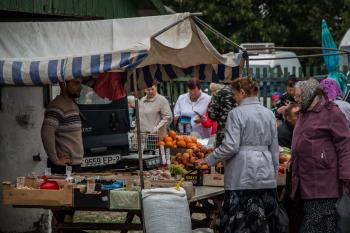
{"x":98,"y":161}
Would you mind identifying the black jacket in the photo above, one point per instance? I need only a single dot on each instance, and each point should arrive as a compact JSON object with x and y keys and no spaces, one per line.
{"x":285,"y":134}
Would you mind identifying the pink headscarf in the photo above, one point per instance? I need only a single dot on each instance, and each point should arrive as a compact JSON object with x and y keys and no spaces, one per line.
{"x":330,"y":88}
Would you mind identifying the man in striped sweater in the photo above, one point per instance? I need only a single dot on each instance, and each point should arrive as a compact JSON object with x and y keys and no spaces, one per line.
{"x":61,"y":131}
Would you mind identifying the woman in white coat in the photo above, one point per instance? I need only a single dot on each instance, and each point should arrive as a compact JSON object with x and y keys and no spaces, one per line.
{"x":250,"y":151}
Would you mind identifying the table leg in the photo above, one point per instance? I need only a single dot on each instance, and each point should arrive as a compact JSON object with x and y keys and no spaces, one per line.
{"x":129,"y":218}
{"x":60,"y":217}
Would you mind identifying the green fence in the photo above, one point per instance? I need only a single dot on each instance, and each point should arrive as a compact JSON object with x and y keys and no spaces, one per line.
{"x":270,"y":81}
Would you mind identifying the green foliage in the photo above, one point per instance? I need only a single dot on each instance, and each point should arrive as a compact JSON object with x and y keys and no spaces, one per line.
{"x":285,"y":22}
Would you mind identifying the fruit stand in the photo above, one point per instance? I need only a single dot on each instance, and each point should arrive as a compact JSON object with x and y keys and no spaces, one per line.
{"x":72,"y":197}
{"x":156,"y":52}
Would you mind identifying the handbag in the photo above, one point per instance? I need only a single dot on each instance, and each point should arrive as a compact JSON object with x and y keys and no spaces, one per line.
{"x":343,"y":213}
{"x":280,"y":219}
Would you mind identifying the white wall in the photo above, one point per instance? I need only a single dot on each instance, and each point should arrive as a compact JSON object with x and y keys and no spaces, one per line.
{"x":19,"y":141}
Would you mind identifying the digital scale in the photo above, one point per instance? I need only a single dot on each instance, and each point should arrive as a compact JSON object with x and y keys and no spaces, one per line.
{"x":149,"y":161}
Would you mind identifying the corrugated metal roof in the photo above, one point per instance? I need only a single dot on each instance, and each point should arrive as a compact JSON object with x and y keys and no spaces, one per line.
{"x":83,"y":8}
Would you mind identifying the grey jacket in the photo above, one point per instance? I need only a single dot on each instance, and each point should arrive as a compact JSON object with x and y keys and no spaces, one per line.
{"x":344,"y":107}
{"x":250,"y":148}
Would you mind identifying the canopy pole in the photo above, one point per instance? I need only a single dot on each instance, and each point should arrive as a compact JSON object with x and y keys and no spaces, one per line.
{"x":175,"y":23}
{"x":300,"y":56}
{"x":298,"y":48}
{"x":138,"y":133}
{"x":219,"y":34}
{"x":139,"y":147}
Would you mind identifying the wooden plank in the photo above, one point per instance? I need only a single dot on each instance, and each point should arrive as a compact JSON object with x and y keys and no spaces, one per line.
{"x":97,"y":226}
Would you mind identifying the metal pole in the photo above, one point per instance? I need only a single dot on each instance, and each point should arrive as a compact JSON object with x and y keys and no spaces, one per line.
{"x":139,"y":147}
{"x":175,"y":23}
{"x":297,"y":48}
{"x":300,"y":56}
{"x":172,"y":99}
{"x":219,"y":34}
{"x":138,"y":133}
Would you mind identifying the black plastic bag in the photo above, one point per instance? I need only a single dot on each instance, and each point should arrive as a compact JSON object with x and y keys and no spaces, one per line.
{"x":280,"y":219}
{"x":343,"y":212}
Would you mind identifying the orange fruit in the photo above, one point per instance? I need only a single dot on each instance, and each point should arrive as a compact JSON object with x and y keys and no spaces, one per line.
{"x":194,"y":139}
{"x":180,"y":138}
{"x":169,"y":144}
{"x":161,"y":143}
{"x":188,"y":139}
{"x":204,"y":166}
{"x":168,"y":139}
{"x":191,"y":145}
{"x":172,"y":134}
{"x":181,"y":144}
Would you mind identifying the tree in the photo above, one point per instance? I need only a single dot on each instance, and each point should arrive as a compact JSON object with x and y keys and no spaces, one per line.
{"x":285,"y":22}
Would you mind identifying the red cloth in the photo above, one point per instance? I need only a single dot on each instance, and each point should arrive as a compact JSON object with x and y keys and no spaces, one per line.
{"x":109,"y":85}
{"x":210,"y":123}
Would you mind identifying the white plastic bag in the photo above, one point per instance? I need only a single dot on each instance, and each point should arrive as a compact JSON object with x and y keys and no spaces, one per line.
{"x":166,"y":210}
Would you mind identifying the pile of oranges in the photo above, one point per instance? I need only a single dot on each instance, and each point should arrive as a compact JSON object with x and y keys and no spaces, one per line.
{"x":172,"y":140}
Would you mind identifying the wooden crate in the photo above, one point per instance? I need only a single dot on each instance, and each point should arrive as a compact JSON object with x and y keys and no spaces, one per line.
{"x":213,"y":180}
{"x":37,"y":197}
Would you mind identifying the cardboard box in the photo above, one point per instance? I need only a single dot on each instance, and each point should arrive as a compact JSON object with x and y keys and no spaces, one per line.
{"x":37,"y":197}
{"x":213,"y":180}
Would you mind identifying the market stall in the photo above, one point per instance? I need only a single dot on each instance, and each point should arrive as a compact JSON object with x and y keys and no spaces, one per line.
{"x":145,"y":51}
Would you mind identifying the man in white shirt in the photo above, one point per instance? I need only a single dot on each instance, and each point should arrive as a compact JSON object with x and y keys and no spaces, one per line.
{"x":193,"y":105}
{"x":155,"y":112}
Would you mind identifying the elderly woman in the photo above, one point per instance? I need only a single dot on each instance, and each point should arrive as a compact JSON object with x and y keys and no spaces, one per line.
{"x":321,"y":157}
{"x":250,"y":151}
{"x":191,"y":107}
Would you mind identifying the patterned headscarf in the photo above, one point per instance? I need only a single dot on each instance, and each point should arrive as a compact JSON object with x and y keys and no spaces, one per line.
{"x":330,"y":88}
{"x":308,"y":89}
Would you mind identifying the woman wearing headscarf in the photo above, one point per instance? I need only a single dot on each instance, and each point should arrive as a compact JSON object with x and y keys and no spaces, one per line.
{"x":321,"y":157}
{"x":250,"y":151}
{"x":333,"y":92}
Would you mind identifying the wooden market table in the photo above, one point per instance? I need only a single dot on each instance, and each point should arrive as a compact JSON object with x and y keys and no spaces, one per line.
{"x":206,"y":200}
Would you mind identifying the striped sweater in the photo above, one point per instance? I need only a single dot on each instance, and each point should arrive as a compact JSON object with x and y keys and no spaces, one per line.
{"x":61,"y":130}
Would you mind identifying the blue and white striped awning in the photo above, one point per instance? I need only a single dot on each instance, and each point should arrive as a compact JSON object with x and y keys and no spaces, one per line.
{"x":153,"y":74}
{"x":40,"y":53}
{"x":19,"y":73}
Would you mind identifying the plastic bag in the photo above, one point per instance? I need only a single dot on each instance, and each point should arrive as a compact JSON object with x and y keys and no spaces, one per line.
{"x":166,"y":210}
{"x":280,"y":219}
{"x":343,"y":212}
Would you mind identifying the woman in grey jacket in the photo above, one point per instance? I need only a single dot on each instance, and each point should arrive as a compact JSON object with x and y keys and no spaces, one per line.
{"x":250,"y":151}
